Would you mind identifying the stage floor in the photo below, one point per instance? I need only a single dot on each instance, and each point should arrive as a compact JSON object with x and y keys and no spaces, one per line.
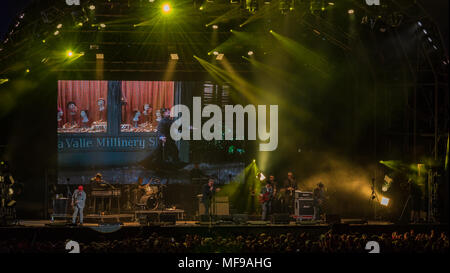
{"x":49,"y":223}
{"x":127,"y":228}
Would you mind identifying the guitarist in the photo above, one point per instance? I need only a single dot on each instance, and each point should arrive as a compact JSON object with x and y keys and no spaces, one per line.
{"x":265,"y":198}
{"x":288,"y":193}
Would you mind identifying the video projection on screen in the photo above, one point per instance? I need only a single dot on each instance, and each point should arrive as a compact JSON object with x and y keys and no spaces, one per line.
{"x":116,"y":128}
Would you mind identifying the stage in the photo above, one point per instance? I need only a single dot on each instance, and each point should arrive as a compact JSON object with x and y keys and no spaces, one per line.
{"x":126,"y":226}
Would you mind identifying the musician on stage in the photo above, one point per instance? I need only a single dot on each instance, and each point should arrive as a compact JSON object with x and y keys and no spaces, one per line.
{"x":98,"y":181}
{"x":209,"y":190}
{"x":277,"y":200}
{"x":144,"y":189}
{"x":319,"y":198}
{"x":265,"y":197}
{"x":78,"y":201}
{"x":288,"y":193}
{"x":98,"y":184}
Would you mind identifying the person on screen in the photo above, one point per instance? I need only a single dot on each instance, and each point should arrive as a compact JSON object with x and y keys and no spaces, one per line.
{"x":168,"y":151}
{"x":72,"y":113}
{"x":148,"y":112}
{"x":84,"y":119}
{"x":136,"y":116}
{"x":78,"y":201}
{"x":59,"y":116}
{"x":101,"y":109}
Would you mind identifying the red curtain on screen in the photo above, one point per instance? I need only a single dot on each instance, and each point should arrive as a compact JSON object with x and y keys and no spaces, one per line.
{"x":158,"y":94}
{"x":85,"y":94}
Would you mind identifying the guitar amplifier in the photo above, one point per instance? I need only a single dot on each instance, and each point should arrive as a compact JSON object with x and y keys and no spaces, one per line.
{"x":60,"y":206}
{"x":304,"y":209}
{"x":303,"y":195}
{"x":222,"y":206}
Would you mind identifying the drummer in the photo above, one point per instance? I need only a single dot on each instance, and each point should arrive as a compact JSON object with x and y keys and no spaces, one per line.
{"x":147,"y":191}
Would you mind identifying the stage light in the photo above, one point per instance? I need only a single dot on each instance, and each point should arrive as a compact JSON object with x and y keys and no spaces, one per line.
{"x":99,"y":56}
{"x":92,"y":7}
{"x":174,"y":56}
{"x":419,"y":23}
{"x":231,"y":30}
{"x":56,"y":33}
{"x":271,"y":31}
{"x":69,"y":53}
{"x":384,"y":201}
{"x":331,"y":3}
{"x":166,"y":8}
{"x":43,"y":41}
{"x":201,"y":8}
{"x":250,"y":53}
{"x":351,"y":11}
{"x":80,"y":24}
{"x":2,"y":81}
{"x":59,"y":26}
{"x":429,"y":40}
{"x":425,"y":31}
{"x":215,"y":26}
{"x":261,"y":177}
{"x":151,"y":1}
{"x":216,"y":53}
{"x":435,"y":47}
{"x":28,"y":70}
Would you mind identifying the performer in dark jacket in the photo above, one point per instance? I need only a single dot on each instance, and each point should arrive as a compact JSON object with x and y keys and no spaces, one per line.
{"x":167,"y":150}
{"x":208,"y":192}
{"x":288,"y":193}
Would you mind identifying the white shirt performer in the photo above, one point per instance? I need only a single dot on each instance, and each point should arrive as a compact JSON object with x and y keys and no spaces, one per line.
{"x":78,"y":201}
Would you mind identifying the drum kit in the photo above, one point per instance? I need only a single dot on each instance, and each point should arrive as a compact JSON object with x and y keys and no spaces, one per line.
{"x":152,"y":197}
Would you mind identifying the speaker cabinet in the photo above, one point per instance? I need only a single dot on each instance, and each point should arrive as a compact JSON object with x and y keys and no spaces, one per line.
{"x":222,"y":206}
{"x":280,"y":218}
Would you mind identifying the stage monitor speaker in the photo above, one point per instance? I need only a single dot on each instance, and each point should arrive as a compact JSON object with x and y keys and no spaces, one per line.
{"x":204,"y":218}
{"x":223,"y":218}
{"x":170,"y":218}
{"x":332,"y":219}
{"x":240,"y":218}
{"x":280,"y":218}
